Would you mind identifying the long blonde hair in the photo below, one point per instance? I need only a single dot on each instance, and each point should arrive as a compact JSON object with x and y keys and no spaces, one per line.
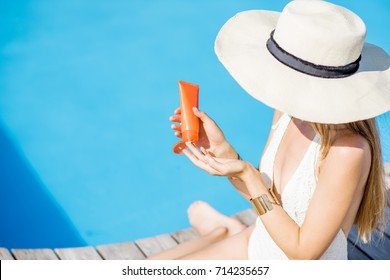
{"x":371,"y":213}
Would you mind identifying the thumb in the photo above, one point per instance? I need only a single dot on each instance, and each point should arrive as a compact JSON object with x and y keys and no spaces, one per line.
{"x":201,"y":115}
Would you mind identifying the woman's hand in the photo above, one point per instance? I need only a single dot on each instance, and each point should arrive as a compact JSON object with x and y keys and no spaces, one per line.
{"x":214,"y":166}
{"x":211,"y":137}
{"x":238,"y":171}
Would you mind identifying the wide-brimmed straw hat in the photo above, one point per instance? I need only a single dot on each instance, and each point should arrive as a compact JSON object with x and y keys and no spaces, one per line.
{"x":309,"y":61}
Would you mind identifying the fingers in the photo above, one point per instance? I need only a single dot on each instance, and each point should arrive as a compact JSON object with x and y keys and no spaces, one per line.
{"x":215,"y":164}
{"x":176,"y":127}
{"x":208,"y":122}
{"x":200,"y":163}
{"x":225,"y":167}
{"x":200,"y":114}
{"x":204,"y":160}
{"x":178,"y":134}
{"x":175,"y":119}
{"x":197,"y":158}
{"x":204,"y":151}
{"x":195,"y":151}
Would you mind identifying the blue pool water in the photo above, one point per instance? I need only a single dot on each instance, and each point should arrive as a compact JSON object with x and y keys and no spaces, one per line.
{"x":86,"y":89}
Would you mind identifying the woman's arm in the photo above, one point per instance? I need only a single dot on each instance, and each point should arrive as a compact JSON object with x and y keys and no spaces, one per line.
{"x":343,"y":173}
{"x":227,"y":153}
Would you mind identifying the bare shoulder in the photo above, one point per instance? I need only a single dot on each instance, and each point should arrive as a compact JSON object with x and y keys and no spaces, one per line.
{"x":351,"y":145}
{"x":351,"y":152}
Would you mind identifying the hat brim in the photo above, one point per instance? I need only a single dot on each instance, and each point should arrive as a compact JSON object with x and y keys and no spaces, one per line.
{"x":241,"y":48}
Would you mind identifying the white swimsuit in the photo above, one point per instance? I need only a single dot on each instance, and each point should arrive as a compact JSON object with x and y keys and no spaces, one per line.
{"x":295,"y":198}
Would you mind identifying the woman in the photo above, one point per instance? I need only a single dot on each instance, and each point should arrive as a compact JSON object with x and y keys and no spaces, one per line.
{"x":321,"y":171}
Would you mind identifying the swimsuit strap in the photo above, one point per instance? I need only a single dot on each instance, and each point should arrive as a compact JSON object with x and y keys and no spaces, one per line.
{"x":267,"y":161}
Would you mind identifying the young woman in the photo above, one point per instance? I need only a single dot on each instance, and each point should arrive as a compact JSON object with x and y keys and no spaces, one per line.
{"x":321,"y":170}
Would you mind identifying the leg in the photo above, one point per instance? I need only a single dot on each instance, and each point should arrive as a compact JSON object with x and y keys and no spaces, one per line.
{"x":212,"y":226}
{"x":233,"y":247}
{"x":205,"y":219}
{"x":192,"y":245}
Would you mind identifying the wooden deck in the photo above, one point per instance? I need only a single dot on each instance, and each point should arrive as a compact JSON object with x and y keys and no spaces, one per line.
{"x":142,"y":248}
{"x":137,"y":250}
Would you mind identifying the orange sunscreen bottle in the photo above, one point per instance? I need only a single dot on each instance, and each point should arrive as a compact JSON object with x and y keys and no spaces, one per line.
{"x":189,"y":122}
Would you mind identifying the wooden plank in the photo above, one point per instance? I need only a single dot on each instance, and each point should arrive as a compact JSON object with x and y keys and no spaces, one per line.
{"x":355,"y":253}
{"x":120,"y":251}
{"x":377,"y":249}
{"x":185,"y":235}
{"x":80,"y":253}
{"x":5,"y":254}
{"x":34,"y":254}
{"x":247,"y":217}
{"x":153,"y":245}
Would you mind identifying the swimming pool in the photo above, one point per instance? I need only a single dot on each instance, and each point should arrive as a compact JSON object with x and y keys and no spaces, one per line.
{"x":86,"y":90}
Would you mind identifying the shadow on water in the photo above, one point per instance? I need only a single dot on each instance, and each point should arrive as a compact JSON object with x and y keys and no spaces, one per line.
{"x":29,"y":215}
